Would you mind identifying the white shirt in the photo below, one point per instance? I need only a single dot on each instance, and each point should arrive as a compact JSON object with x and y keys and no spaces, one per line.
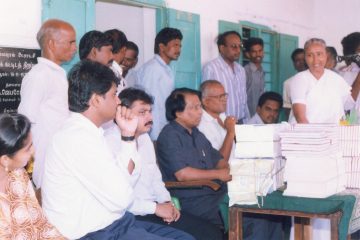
{"x":149,"y":187}
{"x":44,"y":100}
{"x":214,"y":132}
{"x":85,"y":188}
{"x":130,"y":78}
{"x":326,"y":99}
{"x":256,"y":119}
{"x":118,"y":73}
{"x":287,"y":94}
{"x":349,"y":74}
{"x":234,"y":82}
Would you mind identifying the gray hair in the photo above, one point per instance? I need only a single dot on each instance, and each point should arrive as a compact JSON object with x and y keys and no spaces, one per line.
{"x":314,"y":41}
{"x":50,"y":29}
{"x":204,"y":87}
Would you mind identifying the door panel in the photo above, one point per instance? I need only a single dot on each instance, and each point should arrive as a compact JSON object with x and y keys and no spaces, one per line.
{"x":80,"y":13}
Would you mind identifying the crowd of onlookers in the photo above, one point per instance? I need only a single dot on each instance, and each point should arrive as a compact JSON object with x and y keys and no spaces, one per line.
{"x":105,"y":137}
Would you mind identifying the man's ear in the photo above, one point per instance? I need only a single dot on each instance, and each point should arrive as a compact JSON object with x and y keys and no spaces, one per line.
{"x":258,"y":109}
{"x":161,"y":47}
{"x":94,"y":100}
{"x":92,"y":54}
{"x":247,"y":54}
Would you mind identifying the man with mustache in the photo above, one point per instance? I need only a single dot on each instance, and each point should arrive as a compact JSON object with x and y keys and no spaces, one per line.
{"x":268,"y":109}
{"x":97,"y":47}
{"x":230,"y":74}
{"x":152,"y":200}
{"x":157,"y":77}
{"x":255,"y":75}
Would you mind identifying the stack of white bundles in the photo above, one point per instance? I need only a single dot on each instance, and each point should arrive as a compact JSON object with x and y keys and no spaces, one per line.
{"x":314,"y":163}
{"x":250,"y":178}
{"x":350,"y":147}
{"x":258,"y":166}
{"x":258,"y":141}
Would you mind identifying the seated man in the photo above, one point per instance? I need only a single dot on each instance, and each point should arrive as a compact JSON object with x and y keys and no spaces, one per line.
{"x":152,"y":200}
{"x":268,"y":109}
{"x":185,"y":154}
{"x":216,"y":126}
{"x":86,"y":189}
{"x":220,"y":130}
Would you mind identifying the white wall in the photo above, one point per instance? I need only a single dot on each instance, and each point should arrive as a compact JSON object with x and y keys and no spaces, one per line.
{"x":19,"y":23}
{"x":330,"y":19}
{"x":137,"y":23}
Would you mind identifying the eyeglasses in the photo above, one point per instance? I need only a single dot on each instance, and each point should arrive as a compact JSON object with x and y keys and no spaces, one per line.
{"x":235,"y":46}
{"x":223,"y":96}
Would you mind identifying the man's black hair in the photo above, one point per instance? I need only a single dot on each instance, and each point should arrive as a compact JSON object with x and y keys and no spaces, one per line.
{"x":117,"y":38}
{"x":296,"y":52}
{"x":133,"y":46}
{"x":350,"y":43}
{"x":90,"y":40}
{"x":270,"y":96}
{"x":221,"y":39}
{"x":176,"y":101}
{"x":85,"y":79}
{"x":165,"y":36}
{"x":129,"y":95}
{"x":252,"y":42}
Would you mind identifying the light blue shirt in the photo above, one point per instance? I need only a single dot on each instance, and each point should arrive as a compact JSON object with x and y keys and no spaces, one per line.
{"x":234,"y":82}
{"x":157,"y":79}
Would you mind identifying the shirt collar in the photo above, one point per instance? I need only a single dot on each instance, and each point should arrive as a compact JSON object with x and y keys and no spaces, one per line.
{"x":160,"y":60}
{"x":84,"y":121}
{"x":253,"y":67}
{"x":207,"y":117}
{"x":180,"y":128}
{"x":224,"y":64}
{"x":50,"y":64}
{"x":258,"y":118}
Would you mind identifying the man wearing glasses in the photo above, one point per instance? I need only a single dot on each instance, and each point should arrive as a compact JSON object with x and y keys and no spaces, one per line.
{"x":215,"y":125}
{"x":230,"y":74}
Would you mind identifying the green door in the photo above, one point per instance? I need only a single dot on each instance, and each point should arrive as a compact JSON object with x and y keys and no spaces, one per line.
{"x":188,"y":66}
{"x":286,"y":45}
{"x":80,"y":13}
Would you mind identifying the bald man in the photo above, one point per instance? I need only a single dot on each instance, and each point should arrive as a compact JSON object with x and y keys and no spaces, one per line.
{"x":44,"y":90}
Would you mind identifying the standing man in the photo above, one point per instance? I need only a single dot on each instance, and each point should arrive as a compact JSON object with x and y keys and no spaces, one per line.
{"x":230,"y":74}
{"x":255,"y":76}
{"x":351,"y":73}
{"x":130,"y":61}
{"x":97,"y":47}
{"x":298,"y":59}
{"x":156,"y":76}
{"x":119,"y":42}
{"x":268,"y":109}
{"x":44,"y":90}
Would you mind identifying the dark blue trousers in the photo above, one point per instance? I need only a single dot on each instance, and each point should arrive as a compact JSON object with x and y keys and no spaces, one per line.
{"x":127,"y":228}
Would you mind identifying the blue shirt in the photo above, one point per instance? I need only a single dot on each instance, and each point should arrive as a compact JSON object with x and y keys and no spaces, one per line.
{"x":177,"y":149}
{"x":234,"y":82}
{"x":157,"y":79}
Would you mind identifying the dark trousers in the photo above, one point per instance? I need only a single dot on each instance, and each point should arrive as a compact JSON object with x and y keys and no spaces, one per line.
{"x":261,"y":226}
{"x":199,"y":228}
{"x":128,"y":228}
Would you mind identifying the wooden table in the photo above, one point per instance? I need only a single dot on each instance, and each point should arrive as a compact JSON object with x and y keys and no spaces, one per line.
{"x":302,"y":221}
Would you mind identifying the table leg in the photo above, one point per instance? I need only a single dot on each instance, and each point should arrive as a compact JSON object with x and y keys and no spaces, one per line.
{"x":235,"y":229}
{"x":334,"y":223}
{"x":302,"y":228}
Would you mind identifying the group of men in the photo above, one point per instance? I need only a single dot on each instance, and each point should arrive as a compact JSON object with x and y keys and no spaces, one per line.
{"x":95,"y":163}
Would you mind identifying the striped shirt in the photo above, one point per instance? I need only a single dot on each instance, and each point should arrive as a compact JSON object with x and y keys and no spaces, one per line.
{"x":234,"y":82}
